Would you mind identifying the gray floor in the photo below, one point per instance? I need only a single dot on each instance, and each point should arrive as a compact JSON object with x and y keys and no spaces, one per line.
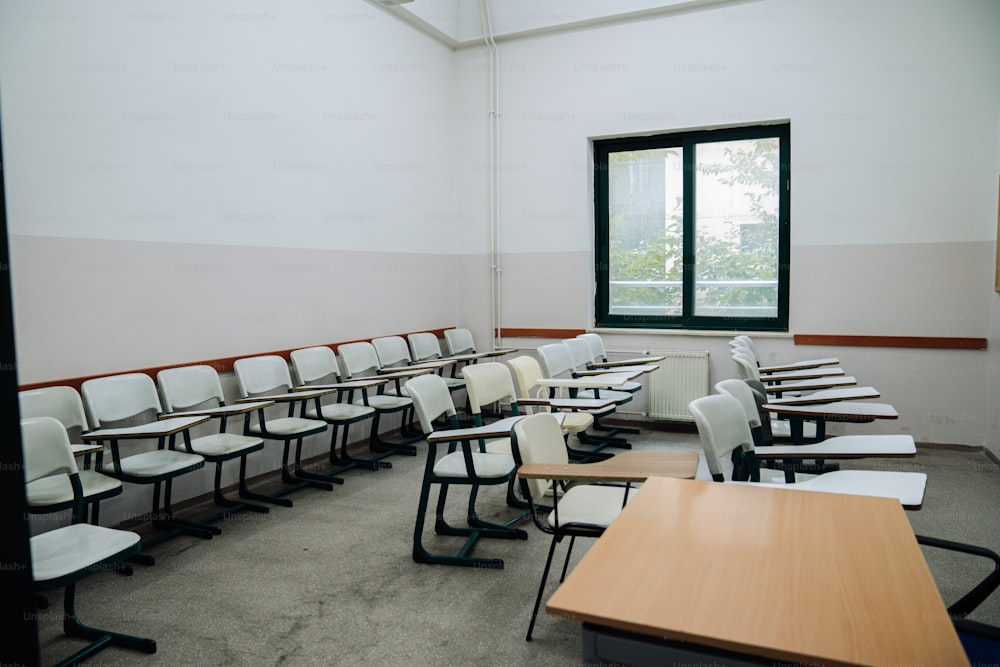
{"x":330,"y":581}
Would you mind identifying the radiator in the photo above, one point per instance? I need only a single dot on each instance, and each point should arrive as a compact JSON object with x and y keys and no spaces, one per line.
{"x":681,"y":378}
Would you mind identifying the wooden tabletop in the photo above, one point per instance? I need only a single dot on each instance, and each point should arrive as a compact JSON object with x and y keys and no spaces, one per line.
{"x":799,"y":365}
{"x":362,"y":383}
{"x":631,"y":371}
{"x":152,"y":429}
{"x":85,"y":450}
{"x":840,"y":410}
{"x":569,"y":403}
{"x":828,"y":396}
{"x":630,"y":466}
{"x":814,"y":578}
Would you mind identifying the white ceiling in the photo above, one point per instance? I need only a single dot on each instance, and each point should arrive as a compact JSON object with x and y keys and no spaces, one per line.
{"x":458,"y":23}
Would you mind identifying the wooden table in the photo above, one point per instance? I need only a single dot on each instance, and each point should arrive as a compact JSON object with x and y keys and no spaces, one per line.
{"x":707,"y":573}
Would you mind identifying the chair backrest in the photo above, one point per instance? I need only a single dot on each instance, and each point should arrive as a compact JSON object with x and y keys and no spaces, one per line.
{"x":739,"y":390}
{"x":555,"y":359}
{"x":596,"y":345}
{"x":722,"y":428}
{"x":62,"y":403}
{"x":265,"y":374}
{"x":745,"y":342}
{"x":538,"y":439}
{"x":527,"y":372}
{"x":431,"y":399}
{"x":580,"y":352}
{"x":424,"y":346}
{"x":459,"y":341}
{"x":359,"y":358}
{"x":119,"y":397}
{"x":392,"y":351}
{"x":488,"y":383}
{"x":189,"y":386}
{"x":311,"y":364}
{"x":46,"y":448}
{"x":746,"y":367}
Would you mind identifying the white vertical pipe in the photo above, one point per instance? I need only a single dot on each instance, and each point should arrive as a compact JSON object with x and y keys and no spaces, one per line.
{"x":495,"y":269}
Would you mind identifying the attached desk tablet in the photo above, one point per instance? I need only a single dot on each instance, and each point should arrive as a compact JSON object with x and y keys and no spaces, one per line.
{"x":632,"y":466}
{"x":842,"y":411}
{"x":798,"y":365}
{"x":587,"y":381}
{"x":802,"y":374}
{"x":698,"y":572}
{"x":498,"y":429}
{"x":811,"y":385}
{"x":652,"y":359}
{"x":828,"y":396}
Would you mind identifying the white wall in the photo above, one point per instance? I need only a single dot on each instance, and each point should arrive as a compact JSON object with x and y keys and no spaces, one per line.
{"x":893,"y":109}
{"x":189,"y":181}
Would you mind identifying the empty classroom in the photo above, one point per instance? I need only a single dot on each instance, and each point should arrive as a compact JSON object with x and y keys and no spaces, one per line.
{"x":235,"y":185}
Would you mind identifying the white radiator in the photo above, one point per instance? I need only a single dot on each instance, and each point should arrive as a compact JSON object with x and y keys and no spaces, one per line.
{"x":681,"y":378}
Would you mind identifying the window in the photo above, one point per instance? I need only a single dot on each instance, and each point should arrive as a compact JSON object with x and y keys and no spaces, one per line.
{"x":692,"y":229}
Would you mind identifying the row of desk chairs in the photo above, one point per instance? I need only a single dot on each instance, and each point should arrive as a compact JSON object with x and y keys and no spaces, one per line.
{"x":132,"y":398}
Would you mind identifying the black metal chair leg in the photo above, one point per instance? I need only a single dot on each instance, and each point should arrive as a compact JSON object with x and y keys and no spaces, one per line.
{"x":101,"y":639}
{"x":541,"y":589}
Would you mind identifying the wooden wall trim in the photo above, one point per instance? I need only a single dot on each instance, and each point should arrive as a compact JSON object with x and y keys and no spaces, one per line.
{"x":221,"y":365}
{"x":932,"y":342}
{"x":508,"y":332}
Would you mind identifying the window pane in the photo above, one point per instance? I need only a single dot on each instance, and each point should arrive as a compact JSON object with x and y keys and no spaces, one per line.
{"x":645,"y":193}
{"x":736,"y":228}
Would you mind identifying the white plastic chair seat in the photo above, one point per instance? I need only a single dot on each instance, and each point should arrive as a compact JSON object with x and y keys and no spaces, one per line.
{"x":159,"y":462}
{"x":387,"y":402}
{"x":486,"y":465}
{"x":60,"y":552}
{"x":224,"y":444}
{"x":907,"y":487}
{"x":57,"y":489}
{"x":340,"y":412}
{"x":499,"y":446}
{"x":574,"y":422}
{"x":287,"y":426}
{"x":781,"y":428}
{"x":590,"y":504}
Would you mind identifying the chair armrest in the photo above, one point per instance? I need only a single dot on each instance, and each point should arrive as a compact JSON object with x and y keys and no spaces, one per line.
{"x":968,"y":602}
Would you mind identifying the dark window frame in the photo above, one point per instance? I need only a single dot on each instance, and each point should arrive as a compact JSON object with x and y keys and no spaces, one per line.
{"x":683,"y":140}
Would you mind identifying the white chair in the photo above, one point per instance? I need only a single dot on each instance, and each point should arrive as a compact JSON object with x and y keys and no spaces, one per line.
{"x":723,"y":427}
{"x":527,"y":372}
{"x":317,"y":366}
{"x":54,"y":493}
{"x":63,"y":556}
{"x":583,"y":358}
{"x":189,"y":387}
{"x":556,"y":361}
{"x":425,"y":346}
{"x":583,"y":510}
{"x":131,"y":399}
{"x":744,"y":342}
{"x":465,"y":463}
{"x":459,"y":341}
{"x":267,"y":376}
{"x":360,"y":359}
